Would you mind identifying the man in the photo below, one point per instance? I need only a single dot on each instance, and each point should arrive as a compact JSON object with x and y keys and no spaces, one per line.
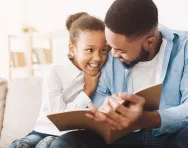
{"x":143,"y":54}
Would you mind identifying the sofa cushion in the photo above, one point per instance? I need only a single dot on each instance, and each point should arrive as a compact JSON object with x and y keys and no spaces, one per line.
{"x":3,"y":90}
{"x":22,"y":108}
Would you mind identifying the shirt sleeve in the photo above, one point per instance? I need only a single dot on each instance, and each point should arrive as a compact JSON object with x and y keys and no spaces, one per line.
{"x":53,"y":93}
{"x":175,"y":118}
{"x":81,"y":101}
{"x":102,"y":91}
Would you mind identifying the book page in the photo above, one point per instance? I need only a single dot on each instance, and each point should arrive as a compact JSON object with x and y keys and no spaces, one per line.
{"x":76,"y":119}
{"x":152,"y":95}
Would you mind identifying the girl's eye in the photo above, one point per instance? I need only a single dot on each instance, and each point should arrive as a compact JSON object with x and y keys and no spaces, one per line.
{"x":89,"y":50}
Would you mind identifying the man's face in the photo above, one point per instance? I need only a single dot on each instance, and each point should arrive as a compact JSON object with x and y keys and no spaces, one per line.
{"x":130,"y":52}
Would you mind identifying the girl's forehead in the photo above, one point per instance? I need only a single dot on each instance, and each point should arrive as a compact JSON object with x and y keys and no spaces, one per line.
{"x":92,"y":38}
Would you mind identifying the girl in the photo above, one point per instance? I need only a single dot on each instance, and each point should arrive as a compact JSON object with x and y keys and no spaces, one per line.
{"x":69,"y":86}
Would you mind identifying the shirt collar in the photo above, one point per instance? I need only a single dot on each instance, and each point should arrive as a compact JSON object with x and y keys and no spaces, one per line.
{"x":73,"y":70}
{"x":167,"y":33}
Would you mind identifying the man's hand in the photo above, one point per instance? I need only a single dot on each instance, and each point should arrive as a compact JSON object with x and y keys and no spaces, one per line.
{"x":116,"y":115}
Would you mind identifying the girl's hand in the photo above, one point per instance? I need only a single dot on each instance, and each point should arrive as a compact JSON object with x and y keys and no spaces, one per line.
{"x":90,"y":83}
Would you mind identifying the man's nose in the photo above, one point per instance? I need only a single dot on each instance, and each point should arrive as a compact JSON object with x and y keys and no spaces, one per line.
{"x":115,"y":53}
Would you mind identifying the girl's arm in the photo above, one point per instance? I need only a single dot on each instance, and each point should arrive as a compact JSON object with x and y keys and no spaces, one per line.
{"x":53,"y":94}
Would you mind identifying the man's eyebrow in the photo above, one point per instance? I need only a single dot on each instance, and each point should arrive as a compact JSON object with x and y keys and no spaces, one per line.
{"x":117,"y":49}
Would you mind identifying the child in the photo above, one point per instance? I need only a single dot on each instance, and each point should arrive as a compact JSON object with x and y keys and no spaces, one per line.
{"x":65,"y":87}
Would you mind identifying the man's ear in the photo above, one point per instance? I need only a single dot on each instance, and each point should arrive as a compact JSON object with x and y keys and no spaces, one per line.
{"x":150,"y":42}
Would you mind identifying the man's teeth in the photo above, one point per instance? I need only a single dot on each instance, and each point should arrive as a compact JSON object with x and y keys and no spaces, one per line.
{"x":94,"y":65}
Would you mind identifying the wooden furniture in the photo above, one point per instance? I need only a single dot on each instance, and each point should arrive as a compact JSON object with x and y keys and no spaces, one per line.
{"x":31,"y":55}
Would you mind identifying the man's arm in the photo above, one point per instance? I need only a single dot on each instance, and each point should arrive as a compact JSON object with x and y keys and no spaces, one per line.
{"x":175,"y":118}
{"x":163,"y":121}
{"x":102,"y":91}
{"x":149,"y":119}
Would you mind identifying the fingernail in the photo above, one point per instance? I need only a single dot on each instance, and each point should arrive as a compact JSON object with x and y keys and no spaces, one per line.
{"x":113,"y":103}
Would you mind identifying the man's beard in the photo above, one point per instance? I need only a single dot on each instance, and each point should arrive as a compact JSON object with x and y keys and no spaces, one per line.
{"x":142,"y":56}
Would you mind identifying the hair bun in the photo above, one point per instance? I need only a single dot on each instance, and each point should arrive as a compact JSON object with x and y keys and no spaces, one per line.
{"x":72,"y":18}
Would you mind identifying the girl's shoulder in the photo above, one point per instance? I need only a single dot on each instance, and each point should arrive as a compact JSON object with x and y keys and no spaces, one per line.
{"x":58,"y":69}
{"x":64,"y":72}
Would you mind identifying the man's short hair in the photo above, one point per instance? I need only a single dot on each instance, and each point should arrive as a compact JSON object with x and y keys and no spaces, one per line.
{"x":132,"y":18}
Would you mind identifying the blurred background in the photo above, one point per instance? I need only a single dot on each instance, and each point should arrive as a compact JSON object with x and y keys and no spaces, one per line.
{"x":33,"y":34}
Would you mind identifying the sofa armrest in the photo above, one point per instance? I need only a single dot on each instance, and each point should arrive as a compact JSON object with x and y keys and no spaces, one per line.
{"x":3,"y":92}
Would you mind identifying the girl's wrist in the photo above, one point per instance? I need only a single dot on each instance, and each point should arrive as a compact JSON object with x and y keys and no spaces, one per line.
{"x":87,"y":92}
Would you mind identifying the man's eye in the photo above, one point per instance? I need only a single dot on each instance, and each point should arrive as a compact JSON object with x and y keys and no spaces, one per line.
{"x":109,"y":47}
{"x":104,"y":50}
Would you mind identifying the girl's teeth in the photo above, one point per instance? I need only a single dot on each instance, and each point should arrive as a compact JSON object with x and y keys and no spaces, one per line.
{"x":94,"y":65}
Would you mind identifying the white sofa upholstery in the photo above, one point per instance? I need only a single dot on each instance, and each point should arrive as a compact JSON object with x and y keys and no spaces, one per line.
{"x":19,"y":107}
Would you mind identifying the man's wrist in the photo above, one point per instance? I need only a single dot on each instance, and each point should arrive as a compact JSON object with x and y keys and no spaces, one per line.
{"x":149,"y":119}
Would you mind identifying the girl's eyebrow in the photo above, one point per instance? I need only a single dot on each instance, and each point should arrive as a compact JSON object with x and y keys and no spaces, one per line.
{"x":91,"y":45}
{"x":106,"y":45}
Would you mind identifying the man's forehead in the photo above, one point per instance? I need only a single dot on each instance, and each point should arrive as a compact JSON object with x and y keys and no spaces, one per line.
{"x":114,"y":36}
{"x":115,"y":40}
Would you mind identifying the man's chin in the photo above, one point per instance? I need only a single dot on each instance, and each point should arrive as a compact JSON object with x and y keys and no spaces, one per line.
{"x":125,"y":63}
{"x":131,"y":65}
{"x":127,"y":66}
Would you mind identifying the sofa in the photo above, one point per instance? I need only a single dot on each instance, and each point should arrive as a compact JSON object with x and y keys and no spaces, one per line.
{"x":20,"y":101}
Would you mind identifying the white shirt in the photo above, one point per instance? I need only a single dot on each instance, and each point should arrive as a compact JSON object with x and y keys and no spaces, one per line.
{"x":62,"y":91}
{"x":145,"y":74}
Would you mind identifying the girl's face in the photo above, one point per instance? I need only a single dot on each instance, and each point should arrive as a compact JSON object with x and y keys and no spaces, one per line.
{"x":90,"y":51}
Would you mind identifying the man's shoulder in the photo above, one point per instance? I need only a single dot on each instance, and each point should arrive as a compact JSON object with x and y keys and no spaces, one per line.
{"x":183,"y":39}
{"x":112,"y":63}
{"x":181,"y":33}
{"x":171,"y":34}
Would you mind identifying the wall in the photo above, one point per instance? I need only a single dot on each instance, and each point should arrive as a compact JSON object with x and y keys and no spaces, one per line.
{"x":50,"y":15}
{"x":173,"y":13}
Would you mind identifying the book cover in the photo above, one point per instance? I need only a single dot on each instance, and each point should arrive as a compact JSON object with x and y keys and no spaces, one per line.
{"x":76,"y":119}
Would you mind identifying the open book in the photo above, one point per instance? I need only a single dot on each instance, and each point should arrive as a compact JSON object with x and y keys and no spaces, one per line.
{"x":76,"y":119}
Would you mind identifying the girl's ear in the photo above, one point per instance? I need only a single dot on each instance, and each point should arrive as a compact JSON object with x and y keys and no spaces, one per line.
{"x":71,"y":49}
{"x":71,"y":52}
